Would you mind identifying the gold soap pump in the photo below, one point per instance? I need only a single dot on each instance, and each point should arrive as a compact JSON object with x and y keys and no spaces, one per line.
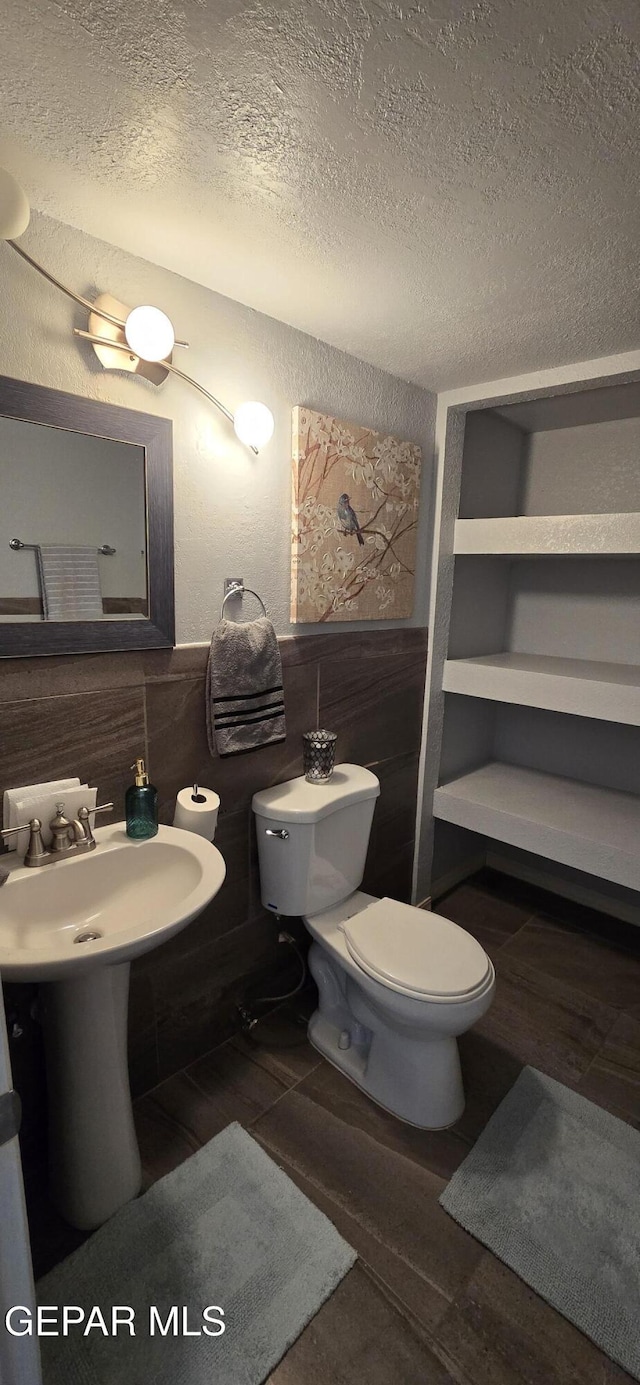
{"x":141,"y":805}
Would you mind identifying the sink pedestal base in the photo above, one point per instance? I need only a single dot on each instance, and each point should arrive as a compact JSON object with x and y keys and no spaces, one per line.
{"x":94,"y":1157}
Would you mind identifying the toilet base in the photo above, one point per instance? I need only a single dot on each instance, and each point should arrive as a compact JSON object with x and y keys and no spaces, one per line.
{"x":417,"y":1080}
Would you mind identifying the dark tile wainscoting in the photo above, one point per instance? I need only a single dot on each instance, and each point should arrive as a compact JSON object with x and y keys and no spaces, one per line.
{"x":92,"y":714}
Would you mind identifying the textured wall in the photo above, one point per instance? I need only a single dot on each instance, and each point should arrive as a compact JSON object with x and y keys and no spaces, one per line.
{"x":232,"y":509}
{"x":448,"y":190}
{"x":588,"y":608}
{"x":591,"y":469}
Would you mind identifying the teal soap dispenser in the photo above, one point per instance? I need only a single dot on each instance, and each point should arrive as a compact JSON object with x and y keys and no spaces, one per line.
{"x":141,"y":805}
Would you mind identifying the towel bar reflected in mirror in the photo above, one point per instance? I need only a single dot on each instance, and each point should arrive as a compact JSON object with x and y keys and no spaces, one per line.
{"x":106,"y":550}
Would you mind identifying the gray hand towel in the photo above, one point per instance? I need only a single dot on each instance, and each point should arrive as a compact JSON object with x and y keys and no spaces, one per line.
{"x":245,"y":699}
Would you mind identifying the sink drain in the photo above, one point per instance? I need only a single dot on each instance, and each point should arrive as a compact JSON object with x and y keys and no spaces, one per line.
{"x":88,"y":937}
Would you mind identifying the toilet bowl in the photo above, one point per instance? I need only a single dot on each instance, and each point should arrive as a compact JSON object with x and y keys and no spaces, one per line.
{"x":396,"y":984}
{"x":396,"y":1037}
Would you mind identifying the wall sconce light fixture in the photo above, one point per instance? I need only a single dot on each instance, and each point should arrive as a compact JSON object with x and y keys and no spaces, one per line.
{"x":140,"y":340}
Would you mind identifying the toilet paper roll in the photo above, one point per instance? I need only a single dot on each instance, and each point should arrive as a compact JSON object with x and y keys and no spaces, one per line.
{"x":197,"y":811}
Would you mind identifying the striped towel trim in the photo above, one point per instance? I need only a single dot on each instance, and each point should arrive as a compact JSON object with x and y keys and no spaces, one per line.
{"x":247,"y":697}
{"x":250,"y":721}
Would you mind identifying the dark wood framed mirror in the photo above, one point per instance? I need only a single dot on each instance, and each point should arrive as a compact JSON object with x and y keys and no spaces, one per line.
{"x":86,"y":525}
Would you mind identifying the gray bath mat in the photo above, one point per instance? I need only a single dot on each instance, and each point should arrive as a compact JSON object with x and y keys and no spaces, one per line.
{"x":552,"y":1187}
{"x":227,"y":1229}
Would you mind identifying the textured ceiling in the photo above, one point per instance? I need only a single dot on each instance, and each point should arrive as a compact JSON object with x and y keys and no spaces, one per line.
{"x":447,"y":189}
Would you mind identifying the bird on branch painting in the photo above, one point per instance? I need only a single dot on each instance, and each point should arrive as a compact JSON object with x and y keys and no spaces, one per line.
{"x":348,"y":518}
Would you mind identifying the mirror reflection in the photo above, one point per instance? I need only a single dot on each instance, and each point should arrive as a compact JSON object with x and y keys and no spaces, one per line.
{"x":73,"y":530}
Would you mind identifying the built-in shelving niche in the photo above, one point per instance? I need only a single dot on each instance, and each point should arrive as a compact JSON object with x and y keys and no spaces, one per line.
{"x":563,"y":786}
{"x":540,"y":753}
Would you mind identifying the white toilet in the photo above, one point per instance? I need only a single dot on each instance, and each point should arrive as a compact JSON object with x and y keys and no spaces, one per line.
{"x":396,"y":984}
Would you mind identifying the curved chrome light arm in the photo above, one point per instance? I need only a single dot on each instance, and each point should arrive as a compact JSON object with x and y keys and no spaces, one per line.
{"x":77,"y":297}
{"x":166,"y":365}
{"x":211,"y":397}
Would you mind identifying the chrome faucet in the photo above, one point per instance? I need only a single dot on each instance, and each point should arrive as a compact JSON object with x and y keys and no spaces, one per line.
{"x":70,"y":837}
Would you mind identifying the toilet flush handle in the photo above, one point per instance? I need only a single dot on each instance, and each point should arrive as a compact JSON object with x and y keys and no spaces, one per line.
{"x":280,"y":832}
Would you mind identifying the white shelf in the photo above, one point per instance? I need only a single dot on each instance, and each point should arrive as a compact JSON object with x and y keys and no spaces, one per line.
{"x":612,"y":535}
{"x":609,"y":692}
{"x":592,"y":829}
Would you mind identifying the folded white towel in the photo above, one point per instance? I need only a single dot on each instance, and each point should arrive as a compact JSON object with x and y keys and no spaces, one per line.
{"x":69,"y":582}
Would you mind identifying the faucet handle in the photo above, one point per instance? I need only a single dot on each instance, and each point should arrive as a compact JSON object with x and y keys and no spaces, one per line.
{"x":34,"y":825}
{"x":36,"y":851}
{"x":84,"y":815}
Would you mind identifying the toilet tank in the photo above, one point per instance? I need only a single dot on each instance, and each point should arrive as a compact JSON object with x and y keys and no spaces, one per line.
{"x":320,"y":860}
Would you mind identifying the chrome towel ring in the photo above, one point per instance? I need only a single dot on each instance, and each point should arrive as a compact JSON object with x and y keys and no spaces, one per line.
{"x":239,"y":589}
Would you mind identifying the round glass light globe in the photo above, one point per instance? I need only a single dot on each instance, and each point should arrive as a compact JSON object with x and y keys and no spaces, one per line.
{"x":14,"y":207}
{"x":254,"y":423}
{"x":149,"y":333}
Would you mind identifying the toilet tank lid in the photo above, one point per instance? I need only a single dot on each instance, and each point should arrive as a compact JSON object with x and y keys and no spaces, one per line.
{"x":299,"y":801}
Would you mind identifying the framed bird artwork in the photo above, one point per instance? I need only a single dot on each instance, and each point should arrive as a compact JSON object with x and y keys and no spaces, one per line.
{"x":356,"y":495}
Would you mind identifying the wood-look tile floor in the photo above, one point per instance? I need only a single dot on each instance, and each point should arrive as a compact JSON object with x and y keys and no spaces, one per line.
{"x":426,"y":1302}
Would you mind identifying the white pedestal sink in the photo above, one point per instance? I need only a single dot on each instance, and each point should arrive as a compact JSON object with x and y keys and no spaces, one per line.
{"x":127,"y":897}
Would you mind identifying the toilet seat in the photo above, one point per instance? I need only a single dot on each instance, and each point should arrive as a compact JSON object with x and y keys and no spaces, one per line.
{"x":416,"y":952}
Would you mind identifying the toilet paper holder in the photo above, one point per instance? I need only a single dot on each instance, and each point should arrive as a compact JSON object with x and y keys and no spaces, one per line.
{"x":196,"y":810}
